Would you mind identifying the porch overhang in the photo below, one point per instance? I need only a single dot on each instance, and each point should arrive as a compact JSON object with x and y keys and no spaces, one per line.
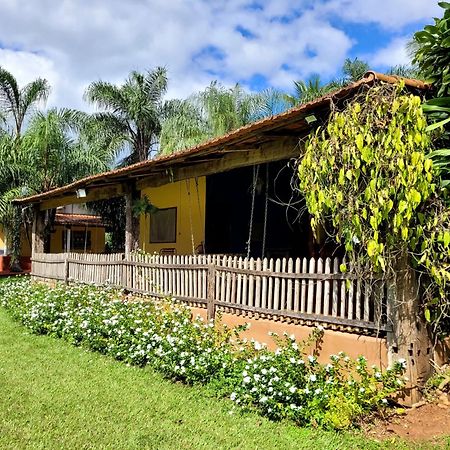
{"x":271,"y":139}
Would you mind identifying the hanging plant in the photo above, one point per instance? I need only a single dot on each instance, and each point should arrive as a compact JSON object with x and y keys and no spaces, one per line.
{"x":143,"y":206}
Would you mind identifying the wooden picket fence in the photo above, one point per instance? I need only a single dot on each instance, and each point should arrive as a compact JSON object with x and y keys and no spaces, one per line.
{"x":300,"y":290}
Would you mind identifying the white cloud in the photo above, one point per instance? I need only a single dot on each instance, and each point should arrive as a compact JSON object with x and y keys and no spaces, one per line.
{"x":395,"y":53}
{"x":27,"y":66}
{"x":74,"y":42}
{"x":390,"y":14}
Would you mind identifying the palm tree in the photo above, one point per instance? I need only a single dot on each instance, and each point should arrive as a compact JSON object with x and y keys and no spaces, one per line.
{"x":16,"y":103}
{"x":354,"y":70}
{"x":271,"y":101}
{"x":46,"y":155}
{"x":215,"y":111}
{"x":11,"y":174}
{"x":131,"y":115}
{"x":54,"y":155}
{"x":183,"y":126}
{"x":226,"y":109}
{"x":307,"y":91}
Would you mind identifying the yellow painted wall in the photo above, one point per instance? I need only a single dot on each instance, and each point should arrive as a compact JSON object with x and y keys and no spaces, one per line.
{"x":188,"y":206}
{"x":97,"y":239}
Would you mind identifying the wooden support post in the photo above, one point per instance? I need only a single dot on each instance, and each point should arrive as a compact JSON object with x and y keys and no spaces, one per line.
{"x":37,"y":236}
{"x":211,"y":292}
{"x":408,"y":339}
{"x":131,"y":222}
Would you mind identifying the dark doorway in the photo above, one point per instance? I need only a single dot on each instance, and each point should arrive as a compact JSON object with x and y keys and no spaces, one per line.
{"x":229,"y":206}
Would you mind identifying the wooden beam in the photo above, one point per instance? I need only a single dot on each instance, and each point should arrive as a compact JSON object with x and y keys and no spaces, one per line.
{"x":93,"y":194}
{"x":131,"y":222}
{"x":274,"y":151}
{"x":37,"y":236}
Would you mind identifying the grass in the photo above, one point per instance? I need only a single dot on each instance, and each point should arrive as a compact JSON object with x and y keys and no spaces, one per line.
{"x":53,"y":395}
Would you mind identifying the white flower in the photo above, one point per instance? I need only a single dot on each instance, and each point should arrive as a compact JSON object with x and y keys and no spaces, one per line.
{"x":292,"y":360}
{"x":233,"y":396}
{"x":263,"y":399}
{"x":311,"y":358}
{"x":312,"y":378}
{"x":246,"y":380}
{"x":258,"y":346}
{"x":292,"y":389}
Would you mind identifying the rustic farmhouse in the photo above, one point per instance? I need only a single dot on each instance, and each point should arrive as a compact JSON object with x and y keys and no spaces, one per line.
{"x":230,"y":234}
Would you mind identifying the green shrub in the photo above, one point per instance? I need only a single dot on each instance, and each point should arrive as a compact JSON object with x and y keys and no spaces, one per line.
{"x":286,"y":384}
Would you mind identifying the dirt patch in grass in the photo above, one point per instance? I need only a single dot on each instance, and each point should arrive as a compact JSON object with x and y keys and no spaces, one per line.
{"x":428,"y":423}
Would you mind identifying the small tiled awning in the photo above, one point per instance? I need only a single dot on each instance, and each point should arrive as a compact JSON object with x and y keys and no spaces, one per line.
{"x":84,"y":220}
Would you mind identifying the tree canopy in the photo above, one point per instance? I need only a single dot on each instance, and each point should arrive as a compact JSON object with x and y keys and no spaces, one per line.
{"x":131,"y":113}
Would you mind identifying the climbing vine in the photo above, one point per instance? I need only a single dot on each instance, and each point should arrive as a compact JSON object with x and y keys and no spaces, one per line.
{"x":367,"y":179}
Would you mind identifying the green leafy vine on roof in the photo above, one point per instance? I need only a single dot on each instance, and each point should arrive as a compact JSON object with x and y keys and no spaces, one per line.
{"x":367,"y":179}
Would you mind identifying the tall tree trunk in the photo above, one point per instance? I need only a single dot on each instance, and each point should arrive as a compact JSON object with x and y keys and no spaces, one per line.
{"x":132,"y":222}
{"x":408,"y":339}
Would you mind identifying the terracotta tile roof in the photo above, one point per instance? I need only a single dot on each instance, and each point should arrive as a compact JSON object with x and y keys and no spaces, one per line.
{"x":78,"y":219}
{"x":246,"y":136}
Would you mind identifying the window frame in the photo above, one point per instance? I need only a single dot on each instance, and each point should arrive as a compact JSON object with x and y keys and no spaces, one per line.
{"x":161,"y":241}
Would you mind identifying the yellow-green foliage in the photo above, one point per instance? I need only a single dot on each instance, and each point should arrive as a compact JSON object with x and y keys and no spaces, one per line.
{"x":366,"y":177}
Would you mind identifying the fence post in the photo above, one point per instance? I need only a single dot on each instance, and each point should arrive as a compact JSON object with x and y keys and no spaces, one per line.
{"x":211,"y":292}
{"x":66,"y":270}
{"x":123,"y":272}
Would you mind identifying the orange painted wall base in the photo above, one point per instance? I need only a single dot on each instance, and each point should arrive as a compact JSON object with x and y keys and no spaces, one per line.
{"x":354,"y":345}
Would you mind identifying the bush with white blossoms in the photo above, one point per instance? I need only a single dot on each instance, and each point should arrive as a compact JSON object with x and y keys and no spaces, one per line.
{"x":160,"y":333}
{"x":288,"y":383}
{"x":291,"y":383}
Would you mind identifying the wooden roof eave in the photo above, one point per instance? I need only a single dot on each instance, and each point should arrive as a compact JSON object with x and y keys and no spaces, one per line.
{"x":284,"y":127}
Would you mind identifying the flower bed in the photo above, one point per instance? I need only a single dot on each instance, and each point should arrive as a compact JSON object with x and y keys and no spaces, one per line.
{"x":288,"y":383}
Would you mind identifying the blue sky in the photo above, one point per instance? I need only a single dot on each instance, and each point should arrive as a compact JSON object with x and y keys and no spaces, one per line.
{"x":259,"y":43}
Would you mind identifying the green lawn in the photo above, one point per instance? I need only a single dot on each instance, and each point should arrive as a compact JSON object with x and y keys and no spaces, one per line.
{"x":56,"y":396}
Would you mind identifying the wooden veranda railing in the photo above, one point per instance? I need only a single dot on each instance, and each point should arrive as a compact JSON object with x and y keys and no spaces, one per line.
{"x":305,"y":290}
